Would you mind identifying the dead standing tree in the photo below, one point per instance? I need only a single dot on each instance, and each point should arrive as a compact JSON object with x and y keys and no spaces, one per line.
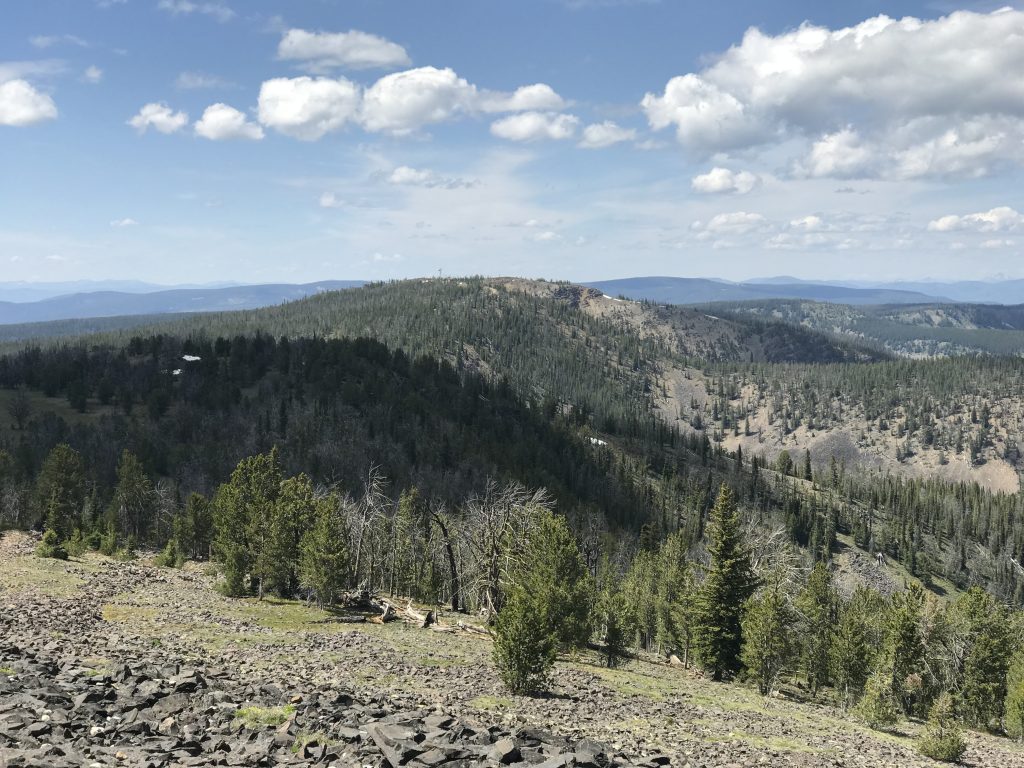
{"x":497,"y":530}
{"x":366,"y":515}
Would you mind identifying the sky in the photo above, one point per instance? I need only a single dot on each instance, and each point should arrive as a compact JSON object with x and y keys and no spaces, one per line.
{"x":194,"y":141}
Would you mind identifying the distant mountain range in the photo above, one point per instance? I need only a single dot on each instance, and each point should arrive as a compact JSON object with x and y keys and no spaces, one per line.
{"x":110,"y":303}
{"x":43,"y":302}
{"x":693,"y":290}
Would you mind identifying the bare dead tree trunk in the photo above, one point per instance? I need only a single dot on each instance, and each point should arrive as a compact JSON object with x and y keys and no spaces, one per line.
{"x":437,"y":515}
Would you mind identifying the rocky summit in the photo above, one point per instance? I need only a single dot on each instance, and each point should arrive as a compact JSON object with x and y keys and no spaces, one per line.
{"x":108,"y":663}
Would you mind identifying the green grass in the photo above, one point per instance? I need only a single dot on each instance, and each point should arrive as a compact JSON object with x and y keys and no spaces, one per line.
{"x":6,"y":671}
{"x":58,"y":406}
{"x":261,"y":717}
{"x":305,"y":738}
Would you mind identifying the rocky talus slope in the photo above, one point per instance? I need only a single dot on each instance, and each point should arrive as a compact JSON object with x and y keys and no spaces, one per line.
{"x":106,"y":664}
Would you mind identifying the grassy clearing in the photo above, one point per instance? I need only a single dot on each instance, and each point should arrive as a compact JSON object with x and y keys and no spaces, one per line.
{"x":58,"y":406}
{"x":263,"y":717}
{"x":56,"y":578}
{"x":6,"y":671}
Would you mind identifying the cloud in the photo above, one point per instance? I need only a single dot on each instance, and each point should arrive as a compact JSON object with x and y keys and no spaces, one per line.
{"x":48,"y":41}
{"x":160,"y":117}
{"x":535,"y":126}
{"x":308,"y":108}
{"x":547,"y":236}
{"x":735,"y":223}
{"x":721,"y":180}
{"x":1002,"y":219}
{"x":218,"y":11}
{"x":322,"y":51}
{"x":92,"y":74}
{"x":997,"y":244}
{"x":220,"y":122}
{"x":403,"y":102}
{"x":808,"y":223}
{"x":403,"y":175}
{"x":194,"y":81}
{"x":885,"y":98}
{"x":21,"y":104}
{"x":600,"y":135}
{"x":538,"y":96}
{"x":330,"y":200}
{"x":123,"y":223}
{"x":25,"y":70}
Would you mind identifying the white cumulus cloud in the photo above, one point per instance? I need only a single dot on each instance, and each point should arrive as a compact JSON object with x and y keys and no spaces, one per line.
{"x":123,"y":223}
{"x":308,"y":108}
{"x":218,"y":11}
{"x":538,"y":96}
{"x":886,"y":98}
{"x":220,"y":122}
{"x":600,"y":135}
{"x":403,"y":102}
{"x":322,"y":51}
{"x":1001,"y":219}
{"x":722,"y":180}
{"x":160,"y":117}
{"x":535,"y":126}
{"x":733,"y":223}
{"x":404,"y":175}
{"x":92,"y":74}
{"x":21,"y":104}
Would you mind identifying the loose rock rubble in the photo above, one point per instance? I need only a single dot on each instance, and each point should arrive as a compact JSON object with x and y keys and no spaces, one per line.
{"x":109,"y":664}
{"x":61,"y":714}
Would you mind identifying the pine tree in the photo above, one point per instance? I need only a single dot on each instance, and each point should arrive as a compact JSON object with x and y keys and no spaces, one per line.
{"x":769,"y":644}
{"x":674,"y":601}
{"x":291,"y":516}
{"x":1014,"y":706}
{"x":727,"y":585}
{"x":242,"y":511}
{"x":878,"y":707}
{"x":984,"y":633}
{"x":904,"y":646}
{"x":817,"y":605}
{"x":555,"y":575}
{"x":61,"y":490}
{"x":134,"y":497}
{"x":942,"y":738}
{"x":854,"y":644}
{"x":323,"y":553}
{"x":524,"y":644}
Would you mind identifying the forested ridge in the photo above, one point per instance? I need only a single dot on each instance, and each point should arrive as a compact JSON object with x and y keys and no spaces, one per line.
{"x":499,"y":448}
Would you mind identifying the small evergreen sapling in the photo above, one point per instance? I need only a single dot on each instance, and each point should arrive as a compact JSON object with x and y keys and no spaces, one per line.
{"x":942,"y":738}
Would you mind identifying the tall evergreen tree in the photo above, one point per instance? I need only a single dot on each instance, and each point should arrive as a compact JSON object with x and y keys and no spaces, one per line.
{"x":817,"y":606}
{"x":291,"y":517}
{"x":855,"y":643}
{"x":555,"y":575}
{"x":242,"y":510}
{"x":61,"y":490}
{"x":323,"y":552}
{"x":769,"y":641}
{"x":134,"y":497}
{"x":1014,"y":705}
{"x":904,"y":645}
{"x":729,"y":582}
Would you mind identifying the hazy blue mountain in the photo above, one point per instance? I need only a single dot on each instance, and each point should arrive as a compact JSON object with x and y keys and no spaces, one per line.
{"x":115,"y":303}
{"x":23,"y":291}
{"x":691,"y":290}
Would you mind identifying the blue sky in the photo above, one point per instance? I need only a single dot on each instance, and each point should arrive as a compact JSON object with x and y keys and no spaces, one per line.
{"x":247,"y":140}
